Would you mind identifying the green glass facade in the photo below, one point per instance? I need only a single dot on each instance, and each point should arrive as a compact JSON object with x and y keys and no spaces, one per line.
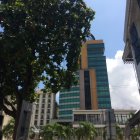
{"x":69,"y":99}
{"x":97,"y":60}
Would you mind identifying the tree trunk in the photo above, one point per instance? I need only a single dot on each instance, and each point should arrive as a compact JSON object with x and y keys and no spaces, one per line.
{"x":19,"y":106}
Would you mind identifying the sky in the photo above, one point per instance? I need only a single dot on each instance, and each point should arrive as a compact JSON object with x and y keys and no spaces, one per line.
{"x":108,"y":25}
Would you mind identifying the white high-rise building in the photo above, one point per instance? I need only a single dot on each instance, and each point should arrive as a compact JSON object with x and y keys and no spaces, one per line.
{"x":132,"y":36}
{"x":43,"y":109}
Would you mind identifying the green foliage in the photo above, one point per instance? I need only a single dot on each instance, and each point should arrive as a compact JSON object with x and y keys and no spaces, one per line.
{"x":135,"y":133}
{"x":119,"y":132}
{"x":85,"y":131}
{"x":50,"y":131}
{"x":32,"y":134}
{"x":69,"y":132}
{"x":59,"y":131}
{"x":41,"y":41}
{"x":47,"y":132}
{"x":104,"y":134}
{"x":8,"y":129}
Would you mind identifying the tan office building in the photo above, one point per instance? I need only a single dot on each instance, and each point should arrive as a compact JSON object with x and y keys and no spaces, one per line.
{"x":43,"y":109}
{"x":92,"y":90}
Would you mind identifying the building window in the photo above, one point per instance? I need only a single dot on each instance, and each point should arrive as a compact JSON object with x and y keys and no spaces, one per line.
{"x":121,"y":118}
{"x":79,"y":117}
{"x":37,"y":106}
{"x":49,"y":95}
{"x":36,"y":116}
{"x":43,"y":101}
{"x":42,"y":116}
{"x":49,"y":100}
{"x":48,"y":111}
{"x":35,"y":122}
{"x":138,"y":3}
{"x":42,"y":111}
{"x":41,"y":122}
{"x":36,"y":112}
{"x":94,"y":118}
{"x":44,"y":95}
{"x":87,"y":90}
{"x":48,"y":105}
{"x":43,"y":105}
{"x":135,"y":42}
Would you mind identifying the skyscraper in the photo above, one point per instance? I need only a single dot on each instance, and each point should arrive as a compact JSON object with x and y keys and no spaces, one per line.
{"x":92,"y":90}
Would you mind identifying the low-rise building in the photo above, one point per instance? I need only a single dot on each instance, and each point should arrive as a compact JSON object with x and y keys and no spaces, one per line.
{"x":43,"y":109}
{"x":104,"y":120}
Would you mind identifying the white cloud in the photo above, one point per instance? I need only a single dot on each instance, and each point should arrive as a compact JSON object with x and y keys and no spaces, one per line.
{"x":123,"y":85}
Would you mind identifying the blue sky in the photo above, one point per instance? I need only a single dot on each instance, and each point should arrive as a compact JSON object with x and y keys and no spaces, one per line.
{"x":109,"y":23}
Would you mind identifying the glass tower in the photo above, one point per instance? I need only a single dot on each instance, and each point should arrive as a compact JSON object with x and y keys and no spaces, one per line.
{"x":97,"y":61}
{"x":69,"y":100}
{"x":92,"y":90}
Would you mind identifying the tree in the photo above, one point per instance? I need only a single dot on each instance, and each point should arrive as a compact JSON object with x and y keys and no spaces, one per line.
{"x":119,"y":133}
{"x":79,"y":133}
{"x":69,"y":132}
{"x":47,"y":132}
{"x":40,"y":41}
{"x":104,"y":133}
{"x":59,"y":131}
{"x":53,"y":131}
{"x":32,"y":134}
{"x":86,"y":131}
{"x":8,"y":129}
{"x":135,"y":133}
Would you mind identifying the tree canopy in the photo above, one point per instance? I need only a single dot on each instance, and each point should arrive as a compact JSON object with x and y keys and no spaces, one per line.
{"x":85,"y":131}
{"x":40,"y":41}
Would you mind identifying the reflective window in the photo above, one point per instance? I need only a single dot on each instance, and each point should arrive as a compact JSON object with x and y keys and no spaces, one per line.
{"x":94,"y":118}
{"x":79,"y":117}
{"x":138,"y":3}
{"x":87,"y":90}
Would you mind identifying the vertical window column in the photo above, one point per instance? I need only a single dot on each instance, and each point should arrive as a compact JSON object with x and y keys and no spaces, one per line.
{"x":87,"y":90}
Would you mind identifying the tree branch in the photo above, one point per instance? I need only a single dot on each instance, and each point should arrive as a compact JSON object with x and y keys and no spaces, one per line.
{"x":10,"y":104}
{"x":8,"y":111}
